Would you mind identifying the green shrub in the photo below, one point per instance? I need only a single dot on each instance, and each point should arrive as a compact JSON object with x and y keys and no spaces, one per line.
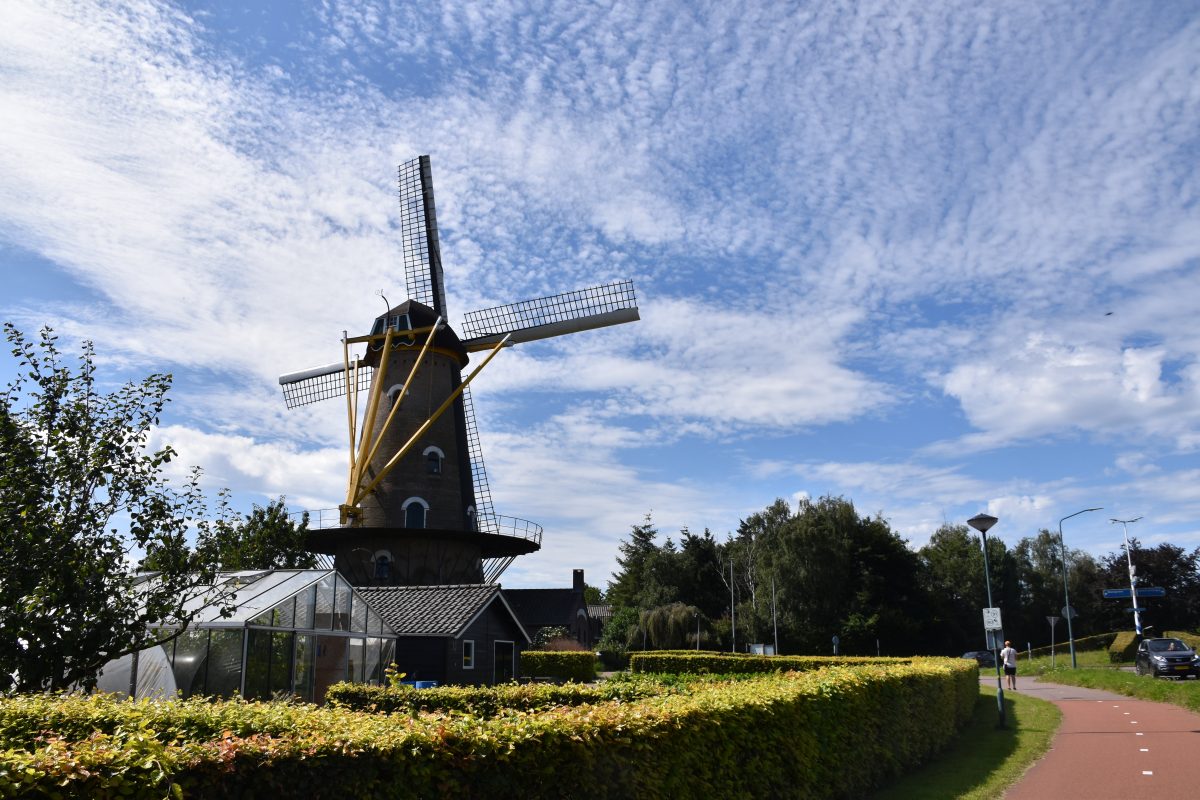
{"x":483,"y":701}
{"x":835,"y":732}
{"x":676,"y":661}
{"x":1123,"y":646}
{"x":562,"y":664}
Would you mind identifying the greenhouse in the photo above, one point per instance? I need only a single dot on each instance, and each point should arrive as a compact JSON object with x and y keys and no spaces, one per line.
{"x":292,"y":633}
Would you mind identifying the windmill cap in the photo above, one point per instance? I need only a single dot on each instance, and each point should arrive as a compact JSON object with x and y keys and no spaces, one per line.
{"x":421,"y":316}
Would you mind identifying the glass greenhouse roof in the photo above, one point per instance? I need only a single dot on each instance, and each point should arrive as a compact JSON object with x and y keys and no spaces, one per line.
{"x":307,"y":599}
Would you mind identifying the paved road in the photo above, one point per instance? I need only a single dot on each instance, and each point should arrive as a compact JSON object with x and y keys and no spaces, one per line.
{"x":1112,"y":747}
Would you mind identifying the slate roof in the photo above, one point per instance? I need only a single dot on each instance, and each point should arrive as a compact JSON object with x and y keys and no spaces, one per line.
{"x":433,"y":610}
{"x":539,"y":608}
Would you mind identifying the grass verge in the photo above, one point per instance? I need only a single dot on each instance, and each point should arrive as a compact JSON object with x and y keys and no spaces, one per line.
{"x":1185,"y":693}
{"x":985,"y":761}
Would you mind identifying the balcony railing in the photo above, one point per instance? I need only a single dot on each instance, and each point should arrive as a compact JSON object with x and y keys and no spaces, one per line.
{"x":496,"y":524}
{"x":511,"y":526}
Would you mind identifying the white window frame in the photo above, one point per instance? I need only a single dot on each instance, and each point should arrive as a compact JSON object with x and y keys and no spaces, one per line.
{"x":421,"y":502}
{"x":441,"y":458}
{"x":468,"y":644}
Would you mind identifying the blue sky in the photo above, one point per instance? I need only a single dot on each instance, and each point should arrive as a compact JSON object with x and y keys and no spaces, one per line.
{"x":876,"y":245}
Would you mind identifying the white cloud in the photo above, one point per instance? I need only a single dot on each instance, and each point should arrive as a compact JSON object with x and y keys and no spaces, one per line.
{"x":1037,"y":386}
{"x":839,"y":219}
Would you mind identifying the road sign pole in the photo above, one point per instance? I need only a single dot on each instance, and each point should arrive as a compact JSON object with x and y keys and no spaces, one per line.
{"x":1137,"y":620}
{"x":1053,"y":621}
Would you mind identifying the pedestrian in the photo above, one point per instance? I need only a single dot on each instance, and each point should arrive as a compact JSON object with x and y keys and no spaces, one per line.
{"x":1009,"y":656}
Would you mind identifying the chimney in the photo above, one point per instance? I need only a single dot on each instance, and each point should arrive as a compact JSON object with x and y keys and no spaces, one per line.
{"x":577,"y":581}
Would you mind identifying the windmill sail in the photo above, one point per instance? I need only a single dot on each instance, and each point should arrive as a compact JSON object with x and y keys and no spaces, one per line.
{"x":418,"y":504}
{"x":320,"y":383}
{"x":528,"y":320}
{"x":419,"y":235}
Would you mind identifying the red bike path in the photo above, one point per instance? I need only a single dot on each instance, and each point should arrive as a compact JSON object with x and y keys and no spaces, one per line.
{"x":1112,"y":747}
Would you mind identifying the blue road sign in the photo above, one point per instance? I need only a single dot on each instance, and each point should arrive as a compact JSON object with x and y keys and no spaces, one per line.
{"x":1125,"y":594}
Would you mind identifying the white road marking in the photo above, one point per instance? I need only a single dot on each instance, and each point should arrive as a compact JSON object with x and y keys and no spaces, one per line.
{"x":1139,"y":734}
{"x":1145,"y":749}
{"x":1147,"y":772}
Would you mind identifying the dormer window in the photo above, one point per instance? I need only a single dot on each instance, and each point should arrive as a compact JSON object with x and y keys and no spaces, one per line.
{"x":395,"y":322}
{"x":433,"y":460}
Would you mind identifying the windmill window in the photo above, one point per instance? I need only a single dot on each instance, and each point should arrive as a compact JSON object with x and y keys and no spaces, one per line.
{"x":433,"y":460}
{"x":383,"y":565}
{"x":394,"y":392}
{"x":414,"y":512}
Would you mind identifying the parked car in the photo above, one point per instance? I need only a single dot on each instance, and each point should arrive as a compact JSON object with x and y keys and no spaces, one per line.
{"x":986,"y":658}
{"x":1166,"y":658}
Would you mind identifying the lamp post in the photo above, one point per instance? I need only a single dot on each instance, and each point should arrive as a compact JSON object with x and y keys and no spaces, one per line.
{"x":697,"y":615}
{"x":1067,"y":610}
{"x":983,"y":523}
{"x":1137,"y":620}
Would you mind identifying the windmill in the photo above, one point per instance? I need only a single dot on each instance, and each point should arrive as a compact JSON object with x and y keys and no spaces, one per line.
{"x":418,"y":507}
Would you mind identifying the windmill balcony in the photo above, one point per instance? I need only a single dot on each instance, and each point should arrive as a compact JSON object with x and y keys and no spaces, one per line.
{"x":495,"y":524}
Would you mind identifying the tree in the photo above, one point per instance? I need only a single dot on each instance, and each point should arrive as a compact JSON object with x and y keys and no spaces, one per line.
{"x":952,"y":563}
{"x":646,"y":575}
{"x":73,"y":465}
{"x":1167,"y":566}
{"x":698,"y":572}
{"x":753,"y":550}
{"x":267,"y":539}
{"x":670,"y":627}
{"x":620,"y":631}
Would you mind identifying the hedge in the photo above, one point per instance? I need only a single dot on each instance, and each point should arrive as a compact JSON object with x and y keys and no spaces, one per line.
{"x":1099,"y":641}
{"x":836,"y":732}
{"x":567,"y":665}
{"x":1123,"y":646}
{"x":482,"y":701}
{"x":679,"y":661}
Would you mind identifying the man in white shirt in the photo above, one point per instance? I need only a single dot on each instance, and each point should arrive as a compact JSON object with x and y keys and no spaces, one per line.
{"x":1009,"y":656}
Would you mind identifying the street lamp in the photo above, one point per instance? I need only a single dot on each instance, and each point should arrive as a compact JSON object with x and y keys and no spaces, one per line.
{"x":1137,"y":620}
{"x":1067,"y":610}
{"x":983,"y":523}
